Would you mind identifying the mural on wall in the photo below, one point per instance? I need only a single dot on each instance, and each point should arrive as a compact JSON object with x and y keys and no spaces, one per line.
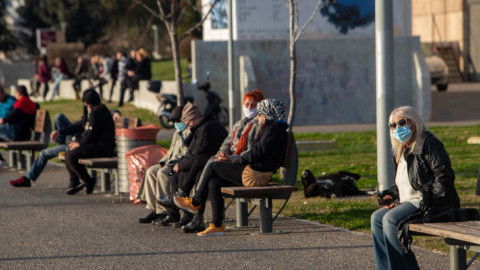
{"x":268,"y":19}
{"x":219,"y":15}
{"x":346,"y":15}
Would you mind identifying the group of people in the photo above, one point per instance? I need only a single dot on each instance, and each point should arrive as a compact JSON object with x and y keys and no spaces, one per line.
{"x":203,"y":157}
{"x":98,"y":70}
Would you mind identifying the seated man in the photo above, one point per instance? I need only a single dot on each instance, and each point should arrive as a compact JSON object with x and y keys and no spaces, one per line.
{"x":6,"y":105}
{"x":20,"y":120}
{"x":207,"y":136}
{"x":97,"y":140}
{"x":64,"y":131}
{"x":158,"y":177}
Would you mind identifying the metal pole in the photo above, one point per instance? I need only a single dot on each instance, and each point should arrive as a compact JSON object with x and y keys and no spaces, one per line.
{"x":155,"y":38}
{"x":384,"y":89}
{"x":230,"y":65}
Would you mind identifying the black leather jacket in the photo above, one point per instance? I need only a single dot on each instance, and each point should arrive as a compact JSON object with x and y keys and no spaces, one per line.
{"x":430,"y":171}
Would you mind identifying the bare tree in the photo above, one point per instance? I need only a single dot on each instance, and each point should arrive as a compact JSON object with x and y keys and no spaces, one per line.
{"x":295,"y":34}
{"x":172,"y":13}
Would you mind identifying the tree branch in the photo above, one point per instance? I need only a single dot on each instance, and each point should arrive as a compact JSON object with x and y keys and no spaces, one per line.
{"x":309,"y":20}
{"x":151,"y":11}
{"x":196,"y":26}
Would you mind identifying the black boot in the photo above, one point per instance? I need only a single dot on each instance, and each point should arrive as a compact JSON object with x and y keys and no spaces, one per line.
{"x":196,"y":225}
{"x":151,"y":217}
{"x":166,"y":201}
{"x":186,"y":218}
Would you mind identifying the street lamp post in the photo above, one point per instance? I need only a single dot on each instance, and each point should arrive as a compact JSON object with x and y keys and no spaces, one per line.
{"x":155,"y":38}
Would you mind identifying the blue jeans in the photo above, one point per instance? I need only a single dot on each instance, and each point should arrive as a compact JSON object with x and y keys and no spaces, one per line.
{"x":56,"y":84}
{"x":49,"y":153}
{"x":42,"y":159}
{"x":388,"y":253}
{"x":7,"y":132}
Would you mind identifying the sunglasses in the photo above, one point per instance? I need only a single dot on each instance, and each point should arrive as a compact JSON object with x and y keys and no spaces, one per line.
{"x":401,"y":123}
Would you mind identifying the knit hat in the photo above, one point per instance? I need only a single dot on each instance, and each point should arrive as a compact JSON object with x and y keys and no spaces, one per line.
{"x":272,"y":109}
{"x":176,"y":114}
{"x":190,"y":112}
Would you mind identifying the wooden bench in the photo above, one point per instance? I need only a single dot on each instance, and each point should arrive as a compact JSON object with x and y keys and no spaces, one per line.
{"x":106,"y":167}
{"x":263,"y":196}
{"x":460,"y":236}
{"x":21,"y":154}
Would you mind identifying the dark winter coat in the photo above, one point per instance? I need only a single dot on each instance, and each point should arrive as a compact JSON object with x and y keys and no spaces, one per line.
{"x":268,"y":150}
{"x":205,"y":139}
{"x":22,"y":118}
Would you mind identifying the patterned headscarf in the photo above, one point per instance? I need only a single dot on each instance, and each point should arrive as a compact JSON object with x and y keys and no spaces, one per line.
{"x":272,"y":109}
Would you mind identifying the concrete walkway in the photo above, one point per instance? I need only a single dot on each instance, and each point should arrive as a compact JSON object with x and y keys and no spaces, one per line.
{"x":43,"y":228}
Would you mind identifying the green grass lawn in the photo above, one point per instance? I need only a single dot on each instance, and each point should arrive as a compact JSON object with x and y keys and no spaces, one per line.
{"x":354,"y":152}
{"x":164,"y":69}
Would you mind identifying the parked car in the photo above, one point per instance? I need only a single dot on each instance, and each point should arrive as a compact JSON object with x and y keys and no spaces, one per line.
{"x":438,"y":72}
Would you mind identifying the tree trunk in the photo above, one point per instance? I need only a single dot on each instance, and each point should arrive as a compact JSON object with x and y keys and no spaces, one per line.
{"x":293,"y":65}
{"x":176,"y":62}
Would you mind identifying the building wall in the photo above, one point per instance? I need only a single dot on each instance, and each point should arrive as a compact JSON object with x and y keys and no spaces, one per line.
{"x":335,"y":78}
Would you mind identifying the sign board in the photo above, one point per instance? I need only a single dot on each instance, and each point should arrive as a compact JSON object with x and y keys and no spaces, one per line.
{"x":45,"y":36}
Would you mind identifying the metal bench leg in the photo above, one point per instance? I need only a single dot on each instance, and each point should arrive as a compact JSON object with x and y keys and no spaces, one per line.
{"x":106,"y":179}
{"x":12,"y":159}
{"x":28,"y":159}
{"x":241,"y":213}
{"x":20,"y":160}
{"x":458,"y":258}
{"x":116,"y":182}
{"x":266,"y":215}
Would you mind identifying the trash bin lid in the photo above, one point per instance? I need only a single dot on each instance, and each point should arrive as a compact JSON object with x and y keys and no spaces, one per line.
{"x":140,"y":133}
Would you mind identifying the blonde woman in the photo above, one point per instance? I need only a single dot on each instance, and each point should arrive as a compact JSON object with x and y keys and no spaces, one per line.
{"x":423,"y":188}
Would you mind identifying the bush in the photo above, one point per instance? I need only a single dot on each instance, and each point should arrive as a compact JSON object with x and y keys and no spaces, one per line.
{"x":185,"y":47}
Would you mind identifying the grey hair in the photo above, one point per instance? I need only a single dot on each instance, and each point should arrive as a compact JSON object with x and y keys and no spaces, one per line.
{"x":408,"y":112}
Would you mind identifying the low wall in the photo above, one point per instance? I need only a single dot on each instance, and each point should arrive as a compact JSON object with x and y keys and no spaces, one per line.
{"x":143,"y":98}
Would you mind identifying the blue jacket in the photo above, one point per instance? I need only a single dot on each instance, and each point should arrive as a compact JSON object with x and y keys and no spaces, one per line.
{"x":6,"y":106}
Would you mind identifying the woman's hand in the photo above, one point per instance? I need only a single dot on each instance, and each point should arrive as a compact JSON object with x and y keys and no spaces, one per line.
{"x":175,"y":168}
{"x":391,"y":205}
{"x":222,"y":156}
{"x":54,"y":135}
{"x":73,"y":145}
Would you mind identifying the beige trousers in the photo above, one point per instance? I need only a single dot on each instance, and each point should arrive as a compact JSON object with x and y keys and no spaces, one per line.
{"x":157,"y":184}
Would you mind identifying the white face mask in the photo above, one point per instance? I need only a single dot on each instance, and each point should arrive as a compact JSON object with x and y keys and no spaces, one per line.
{"x":249,"y":113}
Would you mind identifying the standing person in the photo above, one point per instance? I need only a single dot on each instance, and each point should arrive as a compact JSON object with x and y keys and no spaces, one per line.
{"x":158,"y":179}
{"x":255,"y":168}
{"x":94,"y":74}
{"x":97,"y":140}
{"x":60,"y":72}
{"x":44,"y":75}
{"x":122,"y":76}
{"x":113,"y":77}
{"x":34,"y":80}
{"x":143,"y":69}
{"x":80,"y":73}
{"x":20,"y":120}
{"x":423,"y":187}
{"x":131,"y":67}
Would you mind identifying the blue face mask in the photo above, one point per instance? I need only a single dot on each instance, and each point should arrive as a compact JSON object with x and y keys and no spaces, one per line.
{"x":180,"y":126}
{"x":402,"y":134}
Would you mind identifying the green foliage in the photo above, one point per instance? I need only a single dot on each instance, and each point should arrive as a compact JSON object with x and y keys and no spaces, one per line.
{"x":7,"y":40}
{"x":85,"y":19}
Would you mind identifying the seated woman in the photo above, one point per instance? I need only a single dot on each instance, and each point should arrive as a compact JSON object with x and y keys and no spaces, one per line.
{"x":424,"y":187}
{"x":255,"y":168}
{"x":234,"y":146}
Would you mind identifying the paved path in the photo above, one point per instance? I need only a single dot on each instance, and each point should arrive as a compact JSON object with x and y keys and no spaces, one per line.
{"x":43,"y":228}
